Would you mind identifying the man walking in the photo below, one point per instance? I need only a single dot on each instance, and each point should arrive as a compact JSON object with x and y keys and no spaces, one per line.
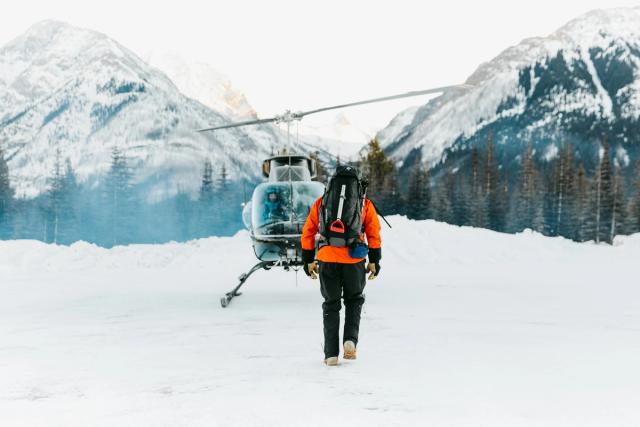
{"x":342,"y":217}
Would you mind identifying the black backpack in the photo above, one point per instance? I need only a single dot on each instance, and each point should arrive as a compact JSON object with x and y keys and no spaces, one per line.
{"x":340,"y":218}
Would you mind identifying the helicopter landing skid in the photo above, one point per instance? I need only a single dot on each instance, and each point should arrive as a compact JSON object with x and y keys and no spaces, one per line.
{"x":226,"y":299}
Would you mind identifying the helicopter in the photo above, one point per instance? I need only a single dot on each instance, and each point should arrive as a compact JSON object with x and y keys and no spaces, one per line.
{"x":278,"y":208}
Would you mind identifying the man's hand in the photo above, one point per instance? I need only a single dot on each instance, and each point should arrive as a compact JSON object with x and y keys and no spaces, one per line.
{"x":312,"y":270}
{"x":373,"y":269}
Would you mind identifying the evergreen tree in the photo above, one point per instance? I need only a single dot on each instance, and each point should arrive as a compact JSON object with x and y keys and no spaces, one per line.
{"x":61,"y":223}
{"x":603,"y":193}
{"x":477,"y":206}
{"x":390,"y":197}
{"x":567,"y":205}
{"x":321,"y":170}
{"x":419,"y":193}
{"x":501,"y":204}
{"x":561,"y":195}
{"x":442,"y":203}
{"x":69,"y":226}
{"x":618,"y":211}
{"x":460,"y":198}
{"x":223,"y":207}
{"x":529,"y":209}
{"x":6,"y":198}
{"x":70,"y":180}
{"x":223,"y":180}
{"x":206,"y":214}
{"x":206,"y":186}
{"x":383,"y":178}
{"x":492,"y":189}
{"x":119,"y":202}
{"x":584,"y":221}
{"x":55,"y":202}
{"x":548,"y":195}
{"x":634,"y":206}
{"x":376,"y":166}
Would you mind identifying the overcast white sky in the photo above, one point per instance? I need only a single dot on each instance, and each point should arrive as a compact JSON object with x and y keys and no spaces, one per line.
{"x":306,"y":54}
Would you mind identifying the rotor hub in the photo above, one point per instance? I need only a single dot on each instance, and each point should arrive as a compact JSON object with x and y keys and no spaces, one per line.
{"x":288,"y":116}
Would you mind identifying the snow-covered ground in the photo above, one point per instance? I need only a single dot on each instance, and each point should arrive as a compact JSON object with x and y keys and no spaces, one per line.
{"x":462,"y":328}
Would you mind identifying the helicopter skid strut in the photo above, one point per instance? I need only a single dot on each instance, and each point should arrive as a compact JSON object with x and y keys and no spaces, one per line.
{"x":226,"y":299}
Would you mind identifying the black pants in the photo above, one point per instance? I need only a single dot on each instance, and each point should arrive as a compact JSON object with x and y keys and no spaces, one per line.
{"x":341,"y":281}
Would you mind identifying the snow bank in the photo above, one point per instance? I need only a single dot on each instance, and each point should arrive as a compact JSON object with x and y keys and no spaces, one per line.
{"x":408,"y":243}
{"x":30,"y":256}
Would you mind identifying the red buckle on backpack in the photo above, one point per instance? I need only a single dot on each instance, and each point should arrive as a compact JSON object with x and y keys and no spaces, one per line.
{"x":337,"y":226}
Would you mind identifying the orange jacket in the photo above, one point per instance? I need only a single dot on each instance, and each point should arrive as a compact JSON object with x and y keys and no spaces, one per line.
{"x":340,"y":254}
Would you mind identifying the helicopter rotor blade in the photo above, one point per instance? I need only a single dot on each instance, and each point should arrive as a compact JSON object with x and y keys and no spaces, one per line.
{"x":235,"y":125}
{"x":291,"y":116}
{"x":389,"y":98}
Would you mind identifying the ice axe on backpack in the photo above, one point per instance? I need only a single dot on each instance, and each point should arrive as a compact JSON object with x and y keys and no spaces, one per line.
{"x":337,"y":226}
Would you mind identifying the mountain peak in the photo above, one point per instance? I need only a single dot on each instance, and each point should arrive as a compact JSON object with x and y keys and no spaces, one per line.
{"x":52,"y":53}
{"x":49,"y":26}
{"x":599,"y":27}
{"x":582,"y":78}
{"x":202,"y":82}
{"x":617,"y":20}
{"x":53,"y":32}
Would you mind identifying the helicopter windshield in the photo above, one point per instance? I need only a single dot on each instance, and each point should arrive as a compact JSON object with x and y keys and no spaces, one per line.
{"x":277,"y":205}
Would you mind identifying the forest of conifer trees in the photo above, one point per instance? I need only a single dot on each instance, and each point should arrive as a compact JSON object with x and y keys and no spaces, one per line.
{"x":556,"y":197}
{"x":115,"y":212}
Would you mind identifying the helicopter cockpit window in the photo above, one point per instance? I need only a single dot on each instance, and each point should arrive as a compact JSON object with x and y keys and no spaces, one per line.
{"x":283,"y":206}
{"x":275,"y":205}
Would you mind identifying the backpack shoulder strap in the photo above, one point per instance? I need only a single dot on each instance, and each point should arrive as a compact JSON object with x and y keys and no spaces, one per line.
{"x":321,"y":213}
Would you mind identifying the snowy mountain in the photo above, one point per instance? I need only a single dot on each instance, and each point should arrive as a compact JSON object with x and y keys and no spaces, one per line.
{"x":335,"y":134}
{"x":574,"y":86}
{"x":80,"y":92}
{"x":200,"y":81}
